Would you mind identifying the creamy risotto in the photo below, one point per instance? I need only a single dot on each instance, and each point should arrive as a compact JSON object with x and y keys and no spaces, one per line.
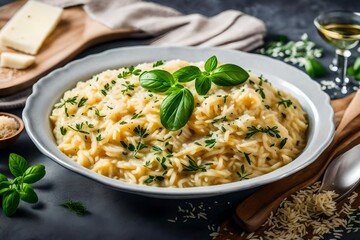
{"x":111,"y":125}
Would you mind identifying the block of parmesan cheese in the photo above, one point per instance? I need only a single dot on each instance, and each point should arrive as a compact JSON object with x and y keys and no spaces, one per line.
{"x":27,"y":30}
{"x":16,"y":60}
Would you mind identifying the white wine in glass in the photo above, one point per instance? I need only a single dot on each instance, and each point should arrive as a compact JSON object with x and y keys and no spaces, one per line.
{"x":342,"y":30}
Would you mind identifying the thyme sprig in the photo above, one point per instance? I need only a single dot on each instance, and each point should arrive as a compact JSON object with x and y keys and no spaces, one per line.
{"x":272,"y":131}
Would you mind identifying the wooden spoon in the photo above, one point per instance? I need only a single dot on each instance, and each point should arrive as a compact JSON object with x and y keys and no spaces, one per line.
{"x":254,"y":211}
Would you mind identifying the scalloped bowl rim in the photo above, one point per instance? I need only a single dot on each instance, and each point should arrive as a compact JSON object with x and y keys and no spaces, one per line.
{"x":48,"y":90}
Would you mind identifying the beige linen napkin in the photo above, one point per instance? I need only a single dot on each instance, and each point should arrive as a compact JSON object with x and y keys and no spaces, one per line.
{"x":230,"y":29}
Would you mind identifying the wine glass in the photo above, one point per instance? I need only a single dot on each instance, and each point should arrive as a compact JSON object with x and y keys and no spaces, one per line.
{"x":342,"y":30}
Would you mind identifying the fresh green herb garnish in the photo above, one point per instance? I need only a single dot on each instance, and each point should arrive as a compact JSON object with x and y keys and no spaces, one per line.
{"x":128,"y":87}
{"x":162,"y":162}
{"x":223,"y":129}
{"x":193,"y":167}
{"x":141,"y":131}
{"x":82,"y":101}
{"x":314,"y":68}
{"x":90,"y":125}
{"x":243,"y":174}
{"x":63,"y":131}
{"x":99,"y":138}
{"x":137,"y":115}
{"x":210,"y":143}
{"x":147,"y":164}
{"x":222,"y":119}
{"x":76,"y":207}
{"x":272,"y":131}
{"x":154,"y":178}
{"x":78,"y":128}
{"x":247,"y":158}
{"x":260,"y":90}
{"x":19,"y":188}
{"x":71,"y":101}
{"x":282,"y":143}
{"x":97,"y":113}
{"x":123,"y":123}
{"x":157,"y":149}
{"x":177,"y":107}
{"x":286,"y":102}
{"x":158,"y":63}
{"x":129,"y":71}
{"x":354,"y":70}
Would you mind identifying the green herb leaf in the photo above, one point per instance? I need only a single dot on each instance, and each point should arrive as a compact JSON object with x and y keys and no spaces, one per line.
{"x":3,"y":178}
{"x":211,"y":64}
{"x":76,"y":207}
{"x":34,"y":174}
{"x":187,"y":74}
{"x":158,"y":63}
{"x":286,"y":102}
{"x":247,"y":157}
{"x":357,"y":65}
{"x":272,"y":131}
{"x":156,"y":80}
{"x":82,"y":101}
{"x":193,"y":167}
{"x":282,"y":143}
{"x":154,"y":178}
{"x":27,"y":194}
{"x":350,"y":71}
{"x":17,"y":164}
{"x":314,"y":68}
{"x":242,"y":174}
{"x":202,"y":85}
{"x":210,"y":143}
{"x":229,"y":75}
{"x":176,"y":109}
{"x":63,"y":131}
{"x":10,"y":202}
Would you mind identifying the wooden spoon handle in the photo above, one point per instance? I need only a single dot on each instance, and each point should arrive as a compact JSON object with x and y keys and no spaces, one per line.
{"x":255,"y":210}
{"x":351,"y":112}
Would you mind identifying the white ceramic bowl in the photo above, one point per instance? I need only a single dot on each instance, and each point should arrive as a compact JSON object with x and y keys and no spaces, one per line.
{"x":50,"y":88}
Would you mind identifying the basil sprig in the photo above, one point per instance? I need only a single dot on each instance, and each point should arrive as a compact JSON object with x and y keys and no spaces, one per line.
{"x":178,"y":106}
{"x":19,"y":187}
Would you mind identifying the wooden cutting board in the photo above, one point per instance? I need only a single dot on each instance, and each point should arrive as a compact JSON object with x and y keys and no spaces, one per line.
{"x":74,"y":33}
{"x":229,"y":230}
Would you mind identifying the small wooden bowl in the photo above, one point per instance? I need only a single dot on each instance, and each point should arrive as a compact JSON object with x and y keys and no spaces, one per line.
{"x":5,"y":142}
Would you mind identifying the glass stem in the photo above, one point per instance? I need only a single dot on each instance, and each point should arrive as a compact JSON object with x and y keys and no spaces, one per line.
{"x":342,"y":57}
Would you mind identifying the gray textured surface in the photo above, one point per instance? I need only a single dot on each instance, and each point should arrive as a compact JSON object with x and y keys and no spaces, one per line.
{"x":116,"y":215}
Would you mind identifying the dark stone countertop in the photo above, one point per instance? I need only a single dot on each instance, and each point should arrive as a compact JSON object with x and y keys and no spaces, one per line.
{"x":118,"y":215}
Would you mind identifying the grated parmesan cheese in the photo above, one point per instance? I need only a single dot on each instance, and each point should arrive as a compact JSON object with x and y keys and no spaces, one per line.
{"x":8,"y":127}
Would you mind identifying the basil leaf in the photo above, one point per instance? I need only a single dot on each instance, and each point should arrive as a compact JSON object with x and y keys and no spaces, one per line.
{"x":187,"y":74}
{"x":314,"y":68}
{"x":156,"y":80}
{"x":357,"y":65}
{"x":17,"y":164}
{"x":5,"y":189}
{"x":211,"y":64}
{"x":174,"y":89}
{"x":357,"y":76}
{"x":350,"y":71}
{"x":34,"y":174}
{"x":176,"y":109}
{"x":202,"y":85}
{"x":3,"y":178}
{"x":10,"y":202}
{"x":229,"y":75}
{"x":27,"y":194}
